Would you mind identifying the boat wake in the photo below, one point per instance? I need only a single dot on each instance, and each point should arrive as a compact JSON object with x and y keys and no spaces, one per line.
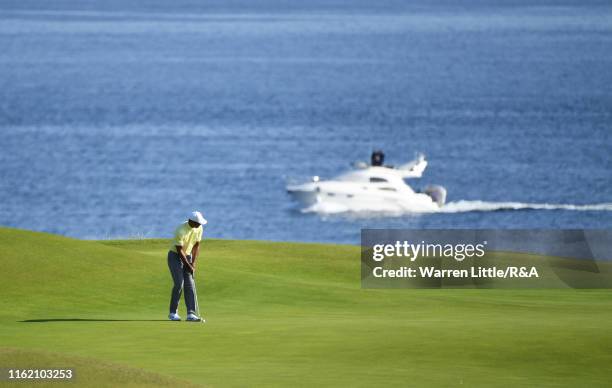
{"x":483,"y":206}
{"x":391,"y":210}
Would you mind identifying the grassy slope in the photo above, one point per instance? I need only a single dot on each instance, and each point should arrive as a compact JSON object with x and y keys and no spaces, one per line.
{"x":281,"y":313}
{"x":88,"y":371}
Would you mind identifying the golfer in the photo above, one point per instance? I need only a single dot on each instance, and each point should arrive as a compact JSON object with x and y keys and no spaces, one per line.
{"x":182,"y":259}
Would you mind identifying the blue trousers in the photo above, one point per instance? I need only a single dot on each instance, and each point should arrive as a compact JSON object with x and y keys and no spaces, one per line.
{"x":181,"y":277}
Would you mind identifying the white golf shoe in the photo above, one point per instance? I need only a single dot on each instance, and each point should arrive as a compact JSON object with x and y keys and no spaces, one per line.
{"x":174,"y":317}
{"x":194,"y":318}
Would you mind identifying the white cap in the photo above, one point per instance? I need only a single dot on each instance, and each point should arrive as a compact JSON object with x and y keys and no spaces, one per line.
{"x":196,"y":216}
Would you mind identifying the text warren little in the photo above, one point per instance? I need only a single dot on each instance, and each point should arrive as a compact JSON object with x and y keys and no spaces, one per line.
{"x":472,"y":272}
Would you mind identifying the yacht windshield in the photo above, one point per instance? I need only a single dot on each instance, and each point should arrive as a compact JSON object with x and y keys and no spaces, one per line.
{"x":376,"y":179}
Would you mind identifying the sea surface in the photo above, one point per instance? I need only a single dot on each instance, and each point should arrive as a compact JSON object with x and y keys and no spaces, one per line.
{"x":117,"y":118}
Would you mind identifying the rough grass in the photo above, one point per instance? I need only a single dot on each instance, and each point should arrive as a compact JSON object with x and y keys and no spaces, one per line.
{"x":281,"y":314}
{"x":88,"y":372}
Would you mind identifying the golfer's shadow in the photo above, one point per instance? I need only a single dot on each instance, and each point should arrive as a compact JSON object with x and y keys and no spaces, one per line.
{"x":90,"y":320}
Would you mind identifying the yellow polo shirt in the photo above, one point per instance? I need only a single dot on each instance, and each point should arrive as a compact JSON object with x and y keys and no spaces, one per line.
{"x":187,"y":237}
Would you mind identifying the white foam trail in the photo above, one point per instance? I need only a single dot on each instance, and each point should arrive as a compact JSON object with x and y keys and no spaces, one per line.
{"x":392,"y":210}
{"x":482,"y":206}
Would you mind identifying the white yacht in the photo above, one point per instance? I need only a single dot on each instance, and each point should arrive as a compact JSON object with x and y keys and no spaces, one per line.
{"x":372,"y":187}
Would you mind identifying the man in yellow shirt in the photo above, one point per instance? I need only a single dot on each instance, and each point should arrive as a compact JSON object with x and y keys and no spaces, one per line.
{"x":182,"y":258}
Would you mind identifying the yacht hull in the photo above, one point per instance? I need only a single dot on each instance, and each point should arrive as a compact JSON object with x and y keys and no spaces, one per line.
{"x":345,"y":197}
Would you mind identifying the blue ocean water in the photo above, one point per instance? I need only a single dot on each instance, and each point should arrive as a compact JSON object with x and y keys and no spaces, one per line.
{"x":118,"y":118}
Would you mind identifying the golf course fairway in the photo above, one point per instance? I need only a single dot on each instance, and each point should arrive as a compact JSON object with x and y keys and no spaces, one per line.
{"x":282,"y":314}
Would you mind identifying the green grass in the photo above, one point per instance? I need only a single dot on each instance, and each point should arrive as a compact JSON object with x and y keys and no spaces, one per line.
{"x":88,"y":372}
{"x":283,"y":314}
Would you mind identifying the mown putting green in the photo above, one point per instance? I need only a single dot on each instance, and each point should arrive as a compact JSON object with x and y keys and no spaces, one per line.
{"x":281,"y":314}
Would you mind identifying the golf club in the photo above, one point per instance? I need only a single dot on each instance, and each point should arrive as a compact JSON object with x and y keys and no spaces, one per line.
{"x":195,"y":295}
